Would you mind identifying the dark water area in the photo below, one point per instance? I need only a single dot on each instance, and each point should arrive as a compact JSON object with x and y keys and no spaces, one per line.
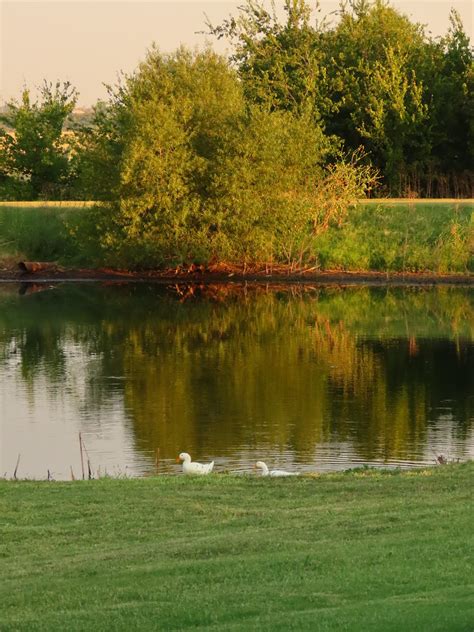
{"x":304,"y":378}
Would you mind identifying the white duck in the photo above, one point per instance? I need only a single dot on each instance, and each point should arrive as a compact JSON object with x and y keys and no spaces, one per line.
{"x":266,"y":472}
{"x":190,"y":467}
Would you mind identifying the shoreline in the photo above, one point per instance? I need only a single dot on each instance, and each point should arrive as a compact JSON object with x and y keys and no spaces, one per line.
{"x":209,"y":277}
{"x":364,"y":470}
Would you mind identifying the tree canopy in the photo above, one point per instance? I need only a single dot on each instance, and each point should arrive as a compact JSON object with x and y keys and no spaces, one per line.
{"x":202,"y":157}
{"x":370,"y":78}
{"x":35,"y":155}
{"x":373,"y":78}
{"x":199,"y":173}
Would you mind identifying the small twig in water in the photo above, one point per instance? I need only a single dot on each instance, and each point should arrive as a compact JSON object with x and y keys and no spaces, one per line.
{"x":157,"y":458}
{"x":89,"y":468}
{"x":82,"y":456}
{"x":16,"y":466}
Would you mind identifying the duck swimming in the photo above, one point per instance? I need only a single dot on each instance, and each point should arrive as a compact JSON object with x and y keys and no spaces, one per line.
{"x":266,"y":472}
{"x":192,"y":467}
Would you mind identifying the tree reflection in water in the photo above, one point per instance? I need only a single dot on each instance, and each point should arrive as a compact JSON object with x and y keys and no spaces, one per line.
{"x":229,"y":370}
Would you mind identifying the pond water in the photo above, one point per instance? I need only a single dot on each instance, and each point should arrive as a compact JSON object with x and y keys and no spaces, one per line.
{"x":304,"y":378}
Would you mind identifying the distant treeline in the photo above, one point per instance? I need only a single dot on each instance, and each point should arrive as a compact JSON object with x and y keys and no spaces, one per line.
{"x":200,"y":157}
{"x":372,"y":79}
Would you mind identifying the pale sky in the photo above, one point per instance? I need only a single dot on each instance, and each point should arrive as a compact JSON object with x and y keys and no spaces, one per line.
{"x":88,"y":43}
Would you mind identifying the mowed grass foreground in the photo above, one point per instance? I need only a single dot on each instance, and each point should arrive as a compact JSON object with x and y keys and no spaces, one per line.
{"x":392,"y":236}
{"x":365,"y":550}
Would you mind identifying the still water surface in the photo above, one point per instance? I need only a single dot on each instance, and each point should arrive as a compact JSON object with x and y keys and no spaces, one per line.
{"x":305,"y":378}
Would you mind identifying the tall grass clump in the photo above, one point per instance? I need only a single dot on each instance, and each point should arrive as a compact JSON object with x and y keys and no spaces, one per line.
{"x":409,"y":237}
{"x":37,"y":233}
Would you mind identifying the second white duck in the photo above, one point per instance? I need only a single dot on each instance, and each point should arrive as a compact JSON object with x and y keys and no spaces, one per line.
{"x":190,"y":467}
{"x":266,"y":472}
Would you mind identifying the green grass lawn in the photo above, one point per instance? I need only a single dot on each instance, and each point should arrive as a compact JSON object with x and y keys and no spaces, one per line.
{"x":365,"y":550}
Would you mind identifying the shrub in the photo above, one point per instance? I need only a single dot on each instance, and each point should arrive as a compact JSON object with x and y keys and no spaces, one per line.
{"x":199,"y":175}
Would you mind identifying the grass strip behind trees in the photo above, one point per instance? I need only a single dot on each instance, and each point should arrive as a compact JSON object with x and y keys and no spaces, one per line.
{"x":365,"y":550}
{"x":391,"y":236}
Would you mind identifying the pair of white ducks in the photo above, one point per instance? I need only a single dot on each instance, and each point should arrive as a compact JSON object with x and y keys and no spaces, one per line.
{"x":192,"y":467}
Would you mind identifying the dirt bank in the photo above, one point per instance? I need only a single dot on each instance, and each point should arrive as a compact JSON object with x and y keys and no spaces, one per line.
{"x":238,"y":275}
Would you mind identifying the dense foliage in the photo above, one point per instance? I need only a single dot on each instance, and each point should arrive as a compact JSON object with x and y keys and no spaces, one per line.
{"x":192,"y":181}
{"x":373,"y":79}
{"x":36,"y":158}
{"x":200,"y":158}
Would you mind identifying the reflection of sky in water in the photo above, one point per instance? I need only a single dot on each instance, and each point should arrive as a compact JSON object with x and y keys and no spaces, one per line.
{"x":42,"y":424}
{"x":303,"y":392}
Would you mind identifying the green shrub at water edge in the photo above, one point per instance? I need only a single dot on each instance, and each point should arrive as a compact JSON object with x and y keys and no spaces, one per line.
{"x":193,"y":181}
{"x":413,"y":237}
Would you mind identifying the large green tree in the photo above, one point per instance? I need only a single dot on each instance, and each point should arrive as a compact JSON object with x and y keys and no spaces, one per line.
{"x":373,"y":79}
{"x":199,"y":174}
{"x":373,"y":54}
{"x":157,"y":138}
{"x":281,"y":63}
{"x":449,"y":91}
{"x":35,"y":154}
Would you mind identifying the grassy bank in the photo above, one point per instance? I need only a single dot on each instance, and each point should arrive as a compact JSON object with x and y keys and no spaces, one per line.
{"x":390,"y":236}
{"x":402,"y":236}
{"x":38,"y":233}
{"x":357,"y":551}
